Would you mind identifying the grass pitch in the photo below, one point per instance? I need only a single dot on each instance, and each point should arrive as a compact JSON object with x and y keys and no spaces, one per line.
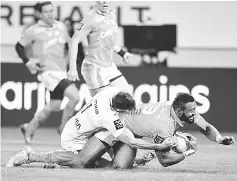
{"x":211,"y":162}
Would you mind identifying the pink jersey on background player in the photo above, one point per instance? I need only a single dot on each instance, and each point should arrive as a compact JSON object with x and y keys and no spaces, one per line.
{"x":102,"y":38}
{"x":49,"y":44}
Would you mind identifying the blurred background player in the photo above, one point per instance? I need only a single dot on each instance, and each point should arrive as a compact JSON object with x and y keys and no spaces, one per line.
{"x":49,"y":37}
{"x":98,"y":68}
{"x":160,"y":121}
{"x":101,"y":112}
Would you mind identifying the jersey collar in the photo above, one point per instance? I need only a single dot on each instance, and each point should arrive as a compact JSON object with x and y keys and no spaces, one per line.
{"x":100,"y":12}
{"x":41,"y":23}
{"x":176,"y":117}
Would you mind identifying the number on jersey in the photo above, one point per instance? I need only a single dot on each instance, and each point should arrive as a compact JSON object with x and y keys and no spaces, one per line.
{"x":80,"y":26}
{"x":118,"y":124}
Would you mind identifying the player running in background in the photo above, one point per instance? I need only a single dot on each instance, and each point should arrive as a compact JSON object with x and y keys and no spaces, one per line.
{"x":161,"y":120}
{"x":49,"y":37}
{"x":98,"y":68}
{"x":100,"y":113}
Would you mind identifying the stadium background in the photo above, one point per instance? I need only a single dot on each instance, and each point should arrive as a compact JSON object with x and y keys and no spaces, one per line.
{"x":204,"y":62}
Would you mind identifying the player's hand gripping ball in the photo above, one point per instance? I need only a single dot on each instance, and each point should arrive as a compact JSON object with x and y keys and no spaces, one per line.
{"x":184,"y":142}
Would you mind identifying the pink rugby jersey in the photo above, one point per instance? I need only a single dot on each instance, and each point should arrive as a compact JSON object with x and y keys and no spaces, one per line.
{"x":49,"y":44}
{"x":102,"y":38}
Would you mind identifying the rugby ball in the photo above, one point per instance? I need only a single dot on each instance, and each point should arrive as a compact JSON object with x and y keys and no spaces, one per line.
{"x":182,"y":144}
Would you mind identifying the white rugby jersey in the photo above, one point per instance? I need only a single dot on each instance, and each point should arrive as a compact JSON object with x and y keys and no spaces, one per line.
{"x":95,"y":115}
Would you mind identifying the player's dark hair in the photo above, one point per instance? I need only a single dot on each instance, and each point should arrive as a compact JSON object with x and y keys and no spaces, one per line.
{"x":123,"y":101}
{"x":37,"y":6}
{"x":181,"y":100}
{"x":44,"y":4}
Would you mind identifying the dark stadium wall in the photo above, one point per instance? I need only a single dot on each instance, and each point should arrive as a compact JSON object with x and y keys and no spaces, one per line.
{"x":215,"y":91}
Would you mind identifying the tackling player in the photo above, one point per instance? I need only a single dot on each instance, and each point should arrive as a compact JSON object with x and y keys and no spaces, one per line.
{"x":161,"y":120}
{"x":98,"y":68}
{"x":49,"y":37}
{"x":100,"y":113}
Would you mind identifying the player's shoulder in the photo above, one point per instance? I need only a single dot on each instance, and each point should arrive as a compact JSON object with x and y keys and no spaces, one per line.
{"x":113,"y":12}
{"x":105,"y":96}
{"x":90,"y":16}
{"x":30,"y":29}
{"x":60,"y":25}
{"x":197,"y":117}
{"x":110,"y":92}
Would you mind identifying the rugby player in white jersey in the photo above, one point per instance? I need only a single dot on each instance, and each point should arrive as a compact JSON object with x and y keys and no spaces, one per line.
{"x":92,"y":122}
{"x":159,"y":121}
{"x":49,"y":37}
{"x":98,"y":68}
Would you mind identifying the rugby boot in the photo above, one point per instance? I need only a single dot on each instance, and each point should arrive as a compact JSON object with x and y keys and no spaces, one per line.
{"x":20,"y":158}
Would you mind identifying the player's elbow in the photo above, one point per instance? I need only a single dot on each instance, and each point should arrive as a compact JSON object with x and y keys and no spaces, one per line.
{"x":164,"y":162}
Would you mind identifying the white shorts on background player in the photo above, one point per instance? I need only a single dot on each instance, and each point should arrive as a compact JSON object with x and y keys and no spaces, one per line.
{"x":96,"y":76}
{"x":51,"y":79}
{"x":94,"y":116}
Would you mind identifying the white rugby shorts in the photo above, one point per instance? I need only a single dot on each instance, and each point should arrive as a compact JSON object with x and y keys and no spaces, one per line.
{"x":74,"y":142}
{"x":52,"y":78}
{"x":97,"y":77}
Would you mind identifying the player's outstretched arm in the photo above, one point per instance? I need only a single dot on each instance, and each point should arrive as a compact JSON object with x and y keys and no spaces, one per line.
{"x":212,"y":133}
{"x":127,"y":137}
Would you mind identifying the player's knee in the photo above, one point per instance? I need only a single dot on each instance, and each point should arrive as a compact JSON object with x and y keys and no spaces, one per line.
{"x":43,"y":114}
{"x":121,"y":165}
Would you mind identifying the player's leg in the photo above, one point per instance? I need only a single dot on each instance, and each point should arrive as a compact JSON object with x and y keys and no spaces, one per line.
{"x":91,"y":152}
{"x":28,"y":129}
{"x":124,"y":155}
{"x":68,"y":89}
{"x":117,"y":80}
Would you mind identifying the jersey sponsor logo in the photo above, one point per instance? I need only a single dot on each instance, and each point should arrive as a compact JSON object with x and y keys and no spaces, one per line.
{"x":78,"y":125}
{"x":118,"y":124}
{"x":96,"y":107}
{"x":80,"y":26}
{"x":158,"y":139}
{"x":109,"y":32}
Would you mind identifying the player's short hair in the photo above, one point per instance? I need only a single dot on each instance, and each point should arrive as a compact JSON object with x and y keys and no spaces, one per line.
{"x":123,"y":101}
{"x":44,"y":4}
{"x":181,"y":100}
{"x":36,"y":6}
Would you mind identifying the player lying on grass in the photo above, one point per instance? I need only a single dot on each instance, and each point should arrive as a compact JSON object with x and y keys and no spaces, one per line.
{"x":160,"y":121}
{"x":100,"y":113}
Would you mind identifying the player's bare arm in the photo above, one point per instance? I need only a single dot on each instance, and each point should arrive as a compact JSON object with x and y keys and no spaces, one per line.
{"x":80,"y":34}
{"x":27,"y":38}
{"x":167,"y":158}
{"x":212,"y":133}
{"x":124,"y":54}
{"x":127,"y":137}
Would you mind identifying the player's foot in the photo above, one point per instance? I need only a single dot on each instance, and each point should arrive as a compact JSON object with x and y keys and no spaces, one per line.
{"x":27,"y":134}
{"x":20,"y":158}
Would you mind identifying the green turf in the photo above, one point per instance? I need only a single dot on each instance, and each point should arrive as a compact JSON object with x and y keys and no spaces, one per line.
{"x":210,"y":162}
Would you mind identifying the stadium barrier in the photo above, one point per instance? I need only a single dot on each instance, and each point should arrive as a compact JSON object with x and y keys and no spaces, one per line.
{"x":215,"y":91}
